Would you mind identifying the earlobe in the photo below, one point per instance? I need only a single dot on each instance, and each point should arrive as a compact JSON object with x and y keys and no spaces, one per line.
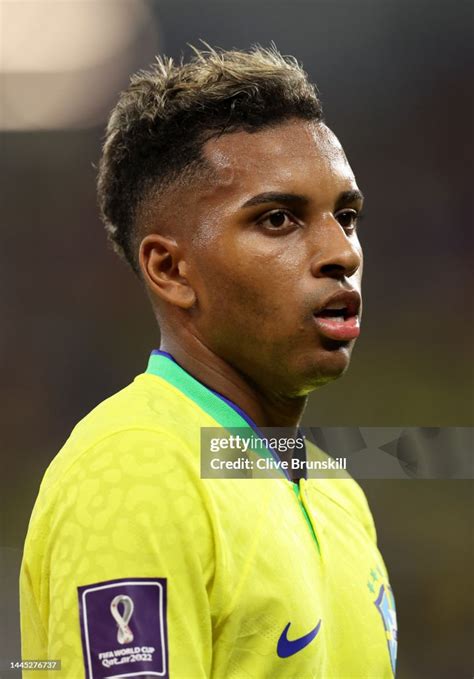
{"x":165,"y":271}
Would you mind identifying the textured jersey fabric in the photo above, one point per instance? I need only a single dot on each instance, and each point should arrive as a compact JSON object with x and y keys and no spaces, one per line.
{"x":239,"y":578}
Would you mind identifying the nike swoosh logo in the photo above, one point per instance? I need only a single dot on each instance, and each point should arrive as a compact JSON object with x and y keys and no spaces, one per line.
{"x":287,"y":647}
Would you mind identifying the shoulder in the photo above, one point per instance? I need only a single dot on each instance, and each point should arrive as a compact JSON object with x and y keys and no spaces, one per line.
{"x":148,"y":430}
{"x":149,"y":402}
{"x":122,"y":497}
{"x":126,"y":474}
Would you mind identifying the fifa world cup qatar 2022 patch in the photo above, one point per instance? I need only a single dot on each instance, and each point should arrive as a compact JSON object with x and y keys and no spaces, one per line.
{"x":123,"y":628}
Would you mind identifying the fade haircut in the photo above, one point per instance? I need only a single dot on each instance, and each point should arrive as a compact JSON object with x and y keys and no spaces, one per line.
{"x":160,"y":123}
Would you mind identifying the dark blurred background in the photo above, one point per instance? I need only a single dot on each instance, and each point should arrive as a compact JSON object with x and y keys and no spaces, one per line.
{"x":395,"y":77}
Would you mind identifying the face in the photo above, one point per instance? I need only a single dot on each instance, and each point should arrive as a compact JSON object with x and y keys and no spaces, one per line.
{"x":275,"y":260}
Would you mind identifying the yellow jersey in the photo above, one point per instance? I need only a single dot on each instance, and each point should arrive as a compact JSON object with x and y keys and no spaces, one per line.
{"x":136,"y":566}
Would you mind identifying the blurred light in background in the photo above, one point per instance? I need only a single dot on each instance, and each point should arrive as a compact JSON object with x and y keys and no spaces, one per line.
{"x":63,"y":61}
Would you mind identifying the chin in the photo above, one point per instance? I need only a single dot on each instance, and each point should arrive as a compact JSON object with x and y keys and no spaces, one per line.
{"x":327,"y":366}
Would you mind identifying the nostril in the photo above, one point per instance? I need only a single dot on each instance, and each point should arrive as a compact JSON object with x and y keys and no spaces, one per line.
{"x":334,"y":270}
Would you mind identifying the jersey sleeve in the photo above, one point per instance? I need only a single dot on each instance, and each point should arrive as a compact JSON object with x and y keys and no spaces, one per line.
{"x":122,"y":583}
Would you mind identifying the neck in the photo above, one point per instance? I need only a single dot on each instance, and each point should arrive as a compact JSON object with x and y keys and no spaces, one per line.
{"x":265,"y":408}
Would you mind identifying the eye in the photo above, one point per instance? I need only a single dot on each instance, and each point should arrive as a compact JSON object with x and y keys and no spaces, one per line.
{"x":278,"y":219}
{"x":348,"y":219}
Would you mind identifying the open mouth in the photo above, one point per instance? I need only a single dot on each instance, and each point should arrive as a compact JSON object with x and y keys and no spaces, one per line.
{"x":336,"y":314}
{"x":339,"y":318}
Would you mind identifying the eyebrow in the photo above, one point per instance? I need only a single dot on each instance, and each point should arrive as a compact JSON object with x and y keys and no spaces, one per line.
{"x":275,"y":197}
{"x":347,"y":197}
{"x":343,"y":199}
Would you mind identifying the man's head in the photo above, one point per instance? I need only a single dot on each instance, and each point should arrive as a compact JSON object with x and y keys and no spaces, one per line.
{"x":224,"y":190}
{"x":157,"y":130}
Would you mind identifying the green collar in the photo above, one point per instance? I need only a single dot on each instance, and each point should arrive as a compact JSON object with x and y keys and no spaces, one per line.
{"x":217,"y":406}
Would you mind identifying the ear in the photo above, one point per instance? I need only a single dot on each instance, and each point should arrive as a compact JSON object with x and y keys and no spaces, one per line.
{"x":164,"y":270}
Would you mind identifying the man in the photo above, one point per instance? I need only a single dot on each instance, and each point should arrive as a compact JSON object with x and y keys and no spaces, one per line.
{"x":236,"y":206}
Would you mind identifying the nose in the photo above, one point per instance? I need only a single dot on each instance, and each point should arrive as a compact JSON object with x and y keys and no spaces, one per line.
{"x":337,"y":255}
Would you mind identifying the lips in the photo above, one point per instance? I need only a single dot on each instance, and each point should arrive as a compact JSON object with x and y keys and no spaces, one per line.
{"x":338,"y":317}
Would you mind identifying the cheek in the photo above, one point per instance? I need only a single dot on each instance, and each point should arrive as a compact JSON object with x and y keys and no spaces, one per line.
{"x":244,"y":291}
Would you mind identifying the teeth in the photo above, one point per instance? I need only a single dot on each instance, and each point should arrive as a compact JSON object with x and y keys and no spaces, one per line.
{"x":335,"y":307}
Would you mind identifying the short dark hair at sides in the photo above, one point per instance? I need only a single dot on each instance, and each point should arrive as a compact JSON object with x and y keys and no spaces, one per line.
{"x":161,"y":121}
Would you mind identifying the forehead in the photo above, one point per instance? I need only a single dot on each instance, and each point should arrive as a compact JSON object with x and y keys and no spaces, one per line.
{"x":298,"y":155}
